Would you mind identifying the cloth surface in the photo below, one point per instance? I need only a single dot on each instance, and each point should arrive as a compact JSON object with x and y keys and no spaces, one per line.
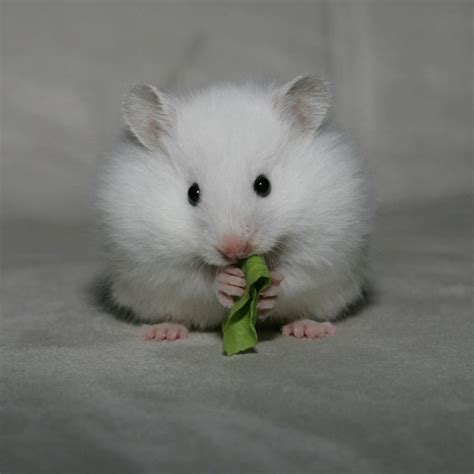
{"x":391,"y":392}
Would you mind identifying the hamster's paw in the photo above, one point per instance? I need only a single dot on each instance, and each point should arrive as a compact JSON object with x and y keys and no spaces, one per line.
{"x":268,"y":298}
{"x":307,"y":328}
{"x":230,"y":284}
{"x":164,"y":332}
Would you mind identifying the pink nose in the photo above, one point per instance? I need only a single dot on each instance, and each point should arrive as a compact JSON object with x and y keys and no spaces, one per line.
{"x":233,"y":247}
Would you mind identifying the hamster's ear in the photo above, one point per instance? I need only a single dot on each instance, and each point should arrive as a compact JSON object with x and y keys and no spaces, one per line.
{"x":305,"y":101}
{"x":148,"y":114}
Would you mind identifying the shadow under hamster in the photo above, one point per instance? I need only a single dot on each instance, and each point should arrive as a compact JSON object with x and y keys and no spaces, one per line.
{"x":100,"y":295}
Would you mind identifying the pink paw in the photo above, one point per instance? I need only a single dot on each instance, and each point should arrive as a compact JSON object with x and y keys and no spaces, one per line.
{"x":230,"y":285}
{"x":269,"y":297}
{"x":307,"y":328}
{"x":164,"y":332}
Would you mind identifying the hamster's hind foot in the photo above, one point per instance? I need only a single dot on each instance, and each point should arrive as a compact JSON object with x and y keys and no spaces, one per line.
{"x":309,"y":329}
{"x":164,"y":332}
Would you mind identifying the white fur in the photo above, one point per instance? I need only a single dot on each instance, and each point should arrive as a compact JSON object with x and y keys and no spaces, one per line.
{"x":161,"y":255}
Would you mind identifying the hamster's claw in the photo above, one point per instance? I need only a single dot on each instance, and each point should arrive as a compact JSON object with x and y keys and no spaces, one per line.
{"x":268,"y":298}
{"x":307,"y":328}
{"x":164,"y":332}
{"x":230,"y":285}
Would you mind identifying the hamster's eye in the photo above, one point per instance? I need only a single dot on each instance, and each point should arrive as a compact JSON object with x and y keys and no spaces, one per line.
{"x":194,"y":194}
{"x":262,"y":186}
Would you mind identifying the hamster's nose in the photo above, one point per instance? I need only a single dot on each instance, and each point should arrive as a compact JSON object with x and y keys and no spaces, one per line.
{"x":233,"y":247}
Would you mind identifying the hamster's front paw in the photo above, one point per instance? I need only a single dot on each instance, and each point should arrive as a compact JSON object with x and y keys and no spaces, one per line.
{"x":230,"y":284}
{"x":307,"y":328}
{"x":164,"y":332}
{"x":268,"y":298}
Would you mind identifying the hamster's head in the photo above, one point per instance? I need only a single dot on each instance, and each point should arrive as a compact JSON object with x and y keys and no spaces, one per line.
{"x":218,"y":174}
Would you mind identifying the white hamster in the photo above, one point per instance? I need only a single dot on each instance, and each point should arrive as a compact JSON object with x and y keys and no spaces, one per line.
{"x":200,"y":182}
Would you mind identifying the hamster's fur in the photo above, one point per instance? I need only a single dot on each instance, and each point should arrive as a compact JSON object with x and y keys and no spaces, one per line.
{"x":162,"y":254}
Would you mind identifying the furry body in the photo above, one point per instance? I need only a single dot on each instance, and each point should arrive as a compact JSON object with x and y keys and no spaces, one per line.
{"x":313,"y":227}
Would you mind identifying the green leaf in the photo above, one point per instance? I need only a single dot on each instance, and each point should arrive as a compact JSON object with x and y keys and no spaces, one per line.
{"x":238,"y":329}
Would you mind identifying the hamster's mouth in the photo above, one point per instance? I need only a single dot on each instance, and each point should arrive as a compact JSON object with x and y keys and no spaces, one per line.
{"x":272,"y":258}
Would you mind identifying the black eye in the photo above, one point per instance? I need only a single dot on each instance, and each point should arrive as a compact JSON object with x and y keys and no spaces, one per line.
{"x":262,"y":186}
{"x":194,"y":194}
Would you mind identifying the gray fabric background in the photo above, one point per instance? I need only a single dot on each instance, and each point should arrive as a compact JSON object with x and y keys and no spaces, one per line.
{"x":391,"y":393}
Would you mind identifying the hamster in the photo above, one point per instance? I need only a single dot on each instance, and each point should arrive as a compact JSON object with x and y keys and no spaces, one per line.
{"x":198,"y":183}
